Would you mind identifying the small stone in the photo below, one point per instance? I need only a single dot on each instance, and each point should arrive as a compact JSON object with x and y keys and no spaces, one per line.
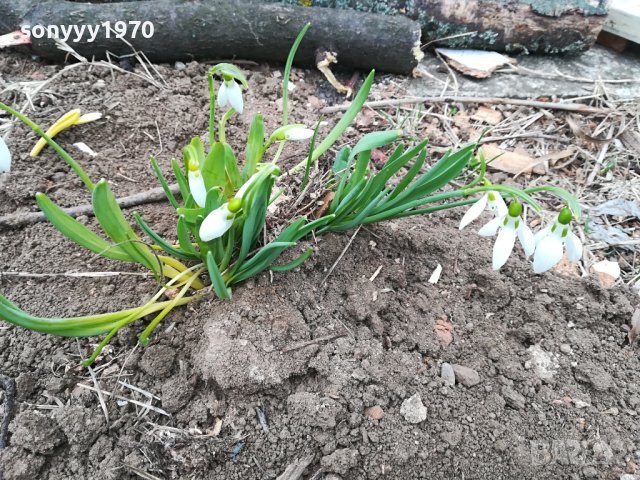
{"x":611,"y":411}
{"x":99,"y":85}
{"x":376,"y":412}
{"x":413,"y":410}
{"x":628,"y":476}
{"x":466,"y":376}
{"x":590,"y":472}
{"x":580,"y":403}
{"x":565,"y":348}
{"x":447,"y":374}
{"x":180,"y":66}
{"x":513,"y":398}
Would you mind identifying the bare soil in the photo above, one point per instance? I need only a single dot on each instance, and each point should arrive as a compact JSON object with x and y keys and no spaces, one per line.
{"x":292,"y":366}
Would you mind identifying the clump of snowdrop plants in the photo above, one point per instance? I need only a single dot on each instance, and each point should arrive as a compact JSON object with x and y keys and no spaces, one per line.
{"x":222,"y":207}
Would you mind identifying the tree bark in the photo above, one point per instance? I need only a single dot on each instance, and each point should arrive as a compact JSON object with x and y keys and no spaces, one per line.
{"x":535,"y":26}
{"x":217,"y":29}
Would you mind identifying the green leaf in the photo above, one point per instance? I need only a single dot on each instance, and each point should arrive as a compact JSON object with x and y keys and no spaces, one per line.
{"x":163,"y":182}
{"x":255,"y":144}
{"x":216,"y":278}
{"x":294,"y":263}
{"x":75,"y":231}
{"x":307,"y":167}
{"x":287,"y":73}
{"x":192,"y":215}
{"x":234,"y":178}
{"x":161,"y":242}
{"x":346,"y":119}
{"x":184,"y":239}
{"x":261,"y":260}
{"x":185,"y":192}
{"x":212,"y":167}
{"x":117,"y":228}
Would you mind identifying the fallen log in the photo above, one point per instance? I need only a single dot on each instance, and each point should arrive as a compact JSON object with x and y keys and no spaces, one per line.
{"x":182,"y":30}
{"x":534,"y":26}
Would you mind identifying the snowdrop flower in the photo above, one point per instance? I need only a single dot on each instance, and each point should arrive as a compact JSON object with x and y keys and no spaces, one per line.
{"x":196,"y":183}
{"x":552,"y":240}
{"x":298,"y":133}
{"x":69,"y":119}
{"x":491,"y":201}
{"x":5,"y":157}
{"x":219,"y":221}
{"x":507,"y":227}
{"x":230,"y":94}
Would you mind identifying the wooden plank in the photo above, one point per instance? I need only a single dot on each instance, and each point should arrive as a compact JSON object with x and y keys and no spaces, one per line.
{"x":624,"y":19}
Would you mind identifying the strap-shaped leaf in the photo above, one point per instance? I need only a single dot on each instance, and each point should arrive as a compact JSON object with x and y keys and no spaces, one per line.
{"x":212,"y":167}
{"x":216,"y":278}
{"x":255,"y":144}
{"x":261,"y":260}
{"x":184,"y":239}
{"x":75,"y":231}
{"x":163,"y":182}
{"x":234,"y":178}
{"x":161,"y":242}
{"x":295,"y":263}
{"x":117,"y":228}
{"x":187,"y":198}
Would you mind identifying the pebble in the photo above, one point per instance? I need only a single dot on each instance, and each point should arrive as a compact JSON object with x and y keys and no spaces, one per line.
{"x":629,"y":476}
{"x":565,"y":348}
{"x":180,"y":66}
{"x":466,"y":376}
{"x":100,"y":84}
{"x":413,"y":410}
{"x":376,"y":412}
{"x":447,"y":374}
{"x":513,"y":398}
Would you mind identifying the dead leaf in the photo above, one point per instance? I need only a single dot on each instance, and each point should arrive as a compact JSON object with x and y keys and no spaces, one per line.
{"x":444,"y":331}
{"x":511,"y":162}
{"x":475,"y":63}
{"x":487,"y":115}
{"x":607,"y":272}
{"x":326,"y":201}
{"x":567,"y":268}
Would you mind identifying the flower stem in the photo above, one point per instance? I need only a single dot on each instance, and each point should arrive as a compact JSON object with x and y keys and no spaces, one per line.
{"x":223,"y":123}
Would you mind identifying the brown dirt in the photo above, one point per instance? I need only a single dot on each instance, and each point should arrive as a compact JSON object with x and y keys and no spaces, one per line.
{"x":553,"y":389}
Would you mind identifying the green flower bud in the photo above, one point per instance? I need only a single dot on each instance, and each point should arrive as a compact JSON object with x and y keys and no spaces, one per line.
{"x":515,"y":209}
{"x":235,"y":204}
{"x":565,"y":216}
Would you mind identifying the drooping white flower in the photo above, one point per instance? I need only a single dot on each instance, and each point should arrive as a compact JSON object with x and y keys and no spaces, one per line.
{"x":298,"y":133}
{"x":230,"y":94}
{"x":5,"y":157}
{"x":216,"y":223}
{"x":508,"y":227}
{"x":552,"y":240}
{"x":491,"y":201}
{"x":196,"y":183}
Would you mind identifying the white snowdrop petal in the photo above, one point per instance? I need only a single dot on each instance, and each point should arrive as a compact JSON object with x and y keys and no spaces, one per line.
{"x":298,"y":133}
{"x":548,"y":253}
{"x":89,"y":117}
{"x":527,"y":240}
{"x":223,"y":97}
{"x":84,"y":148}
{"x":497,"y":205}
{"x":503,"y":247}
{"x":5,"y":157}
{"x":216,"y":223}
{"x":574,"y":247}
{"x":540,"y":234}
{"x":197,"y":188}
{"x":490,"y":229}
{"x":474,"y":212}
{"x":234,"y":95}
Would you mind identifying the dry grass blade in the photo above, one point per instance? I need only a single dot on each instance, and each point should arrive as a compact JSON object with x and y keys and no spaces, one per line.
{"x":129,"y":400}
